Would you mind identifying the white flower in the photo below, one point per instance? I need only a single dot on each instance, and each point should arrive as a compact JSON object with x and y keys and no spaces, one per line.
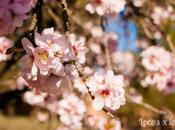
{"x":102,"y":7}
{"x":156,"y":58}
{"x":161,"y":74}
{"x":107,"y":89}
{"x":71,"y":110}
{"x":33,"y":98}
{"x":78,"y":46}
{"x":160,"y":14}
{"x":96,"y":6}
{"x":79,"y":84}
{"x":5,"y":43}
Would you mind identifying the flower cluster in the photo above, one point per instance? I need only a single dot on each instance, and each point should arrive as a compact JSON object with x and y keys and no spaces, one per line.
{"x":71,"y":110}
{"x":160,"y":14}
{"x":160,"y":73}
{"x":103,"y":7}
{"x":12,"y":14}
{"x":78,"y":46}
{"x":45,"y":66}
{"x":107,"y":90}
{"x":5,"y":43}
{"x":154,"y":58}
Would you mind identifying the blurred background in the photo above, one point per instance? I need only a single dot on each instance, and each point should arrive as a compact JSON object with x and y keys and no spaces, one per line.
{"x":141,"y":24}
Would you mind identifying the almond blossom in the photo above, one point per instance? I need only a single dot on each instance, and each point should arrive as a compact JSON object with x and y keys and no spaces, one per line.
{"x":154,"y":58}
{"x":103,"y":7}
{"x":159,"y":73}
{"x":12,"y":14}
{"x":71,"y":110}
{"x":42,"y":67}
{"x":160,"y":14}
{"x":107,"y":90}
{"x":78,"y":47}
{"x":79,"y":84}
{"x":33,"y":98}
{"x":5,"y":43}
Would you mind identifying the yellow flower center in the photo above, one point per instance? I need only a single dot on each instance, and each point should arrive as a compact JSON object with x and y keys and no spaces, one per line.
{"x":43,"y":56}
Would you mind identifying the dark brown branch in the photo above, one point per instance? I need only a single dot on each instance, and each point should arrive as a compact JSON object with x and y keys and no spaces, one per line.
{"x":65,"y":15}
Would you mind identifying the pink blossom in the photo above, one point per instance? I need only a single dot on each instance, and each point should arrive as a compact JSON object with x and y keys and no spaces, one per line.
{"x":108,"y":90}
{"x":5,"y":43}
{"x":12,"y":14}
{"x":71,"y":110}
{"x":103,"y":7}
{"x":52,"y":84}
{"x":43,"y":66}
{"x":78,"y":47}
{"x":96,"y":6}
{"x":56,"y":42}
{"x":50,"y":54}
{"x":159,"y":73}
{"x":33,"y":98}
{"x":160,"y":14}
{"x":154,"y":58}
{"x":79,"y":84}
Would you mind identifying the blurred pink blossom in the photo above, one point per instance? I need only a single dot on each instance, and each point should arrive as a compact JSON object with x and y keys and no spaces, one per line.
{"x":154,"y":58}
{"x":5,"y":43}
{"x":78,"y":46}
{"x":102,"y":7}
{"x":12,"y":14}
{"x":71,"y":110}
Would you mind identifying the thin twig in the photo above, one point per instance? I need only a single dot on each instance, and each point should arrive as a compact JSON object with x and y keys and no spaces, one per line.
{"x":65,"y":15}
{"x":170,"y":43}
{"x":148,"y":106}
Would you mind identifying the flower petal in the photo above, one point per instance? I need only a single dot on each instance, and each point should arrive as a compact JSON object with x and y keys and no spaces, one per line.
{"x":98,"y":103}
{"x":27,"y":45}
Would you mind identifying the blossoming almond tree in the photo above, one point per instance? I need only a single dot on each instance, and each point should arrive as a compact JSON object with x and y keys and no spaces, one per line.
{"x":79,"y":74}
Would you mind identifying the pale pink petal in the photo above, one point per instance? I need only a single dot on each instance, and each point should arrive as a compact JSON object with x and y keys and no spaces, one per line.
{"x":34,"y":71}
{"x":27,"y":45}
{"x":98,"y":103}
